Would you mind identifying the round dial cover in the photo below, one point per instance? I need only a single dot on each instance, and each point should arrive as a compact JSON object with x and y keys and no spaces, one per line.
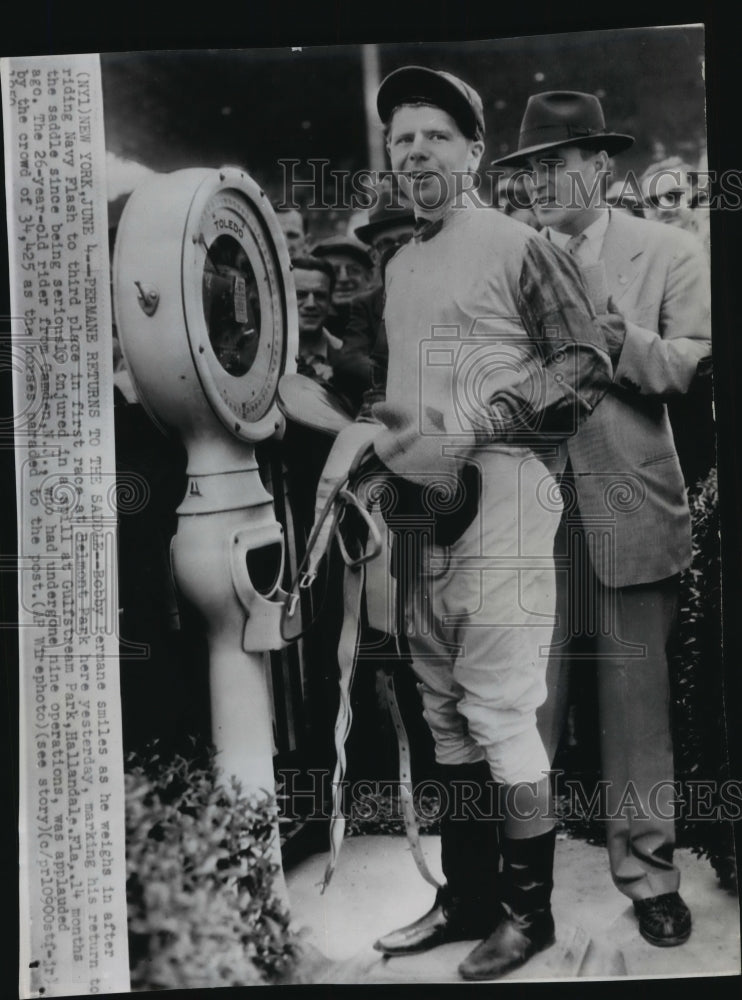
{"x":235,"y":302}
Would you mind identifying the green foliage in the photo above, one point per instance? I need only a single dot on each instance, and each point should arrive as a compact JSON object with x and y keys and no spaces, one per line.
{"x":202,"y":907}
{"x":701,"y":752}
{"x":380,"y":813}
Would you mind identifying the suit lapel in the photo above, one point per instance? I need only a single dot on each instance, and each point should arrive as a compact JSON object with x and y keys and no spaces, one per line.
{"x":621,"y":255}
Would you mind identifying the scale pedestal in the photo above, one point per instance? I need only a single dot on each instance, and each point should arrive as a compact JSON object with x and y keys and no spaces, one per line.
{"x":206,"y":314}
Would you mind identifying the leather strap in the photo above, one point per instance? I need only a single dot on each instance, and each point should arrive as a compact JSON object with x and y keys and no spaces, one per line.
{"x":353,"y":587}
{"x":405,"y":782}
{"x":353,"y":581}
{"x":321,"y":538}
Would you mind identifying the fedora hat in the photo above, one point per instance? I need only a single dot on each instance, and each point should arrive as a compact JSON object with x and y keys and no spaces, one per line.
{"x":385,"y":213}
{"x":563,"y":118}
{"x":383,"y":217}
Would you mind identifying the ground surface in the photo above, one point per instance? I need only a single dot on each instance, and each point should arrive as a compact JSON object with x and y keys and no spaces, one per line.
{"x":376,"y":888}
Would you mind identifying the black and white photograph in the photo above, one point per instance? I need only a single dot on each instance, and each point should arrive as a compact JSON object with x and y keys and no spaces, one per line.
{"x":368,"y":424}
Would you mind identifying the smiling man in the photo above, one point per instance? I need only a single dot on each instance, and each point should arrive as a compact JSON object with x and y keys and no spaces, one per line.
{"x":354,"y":273}
{"x":631,"y":514}
{"x":314,"y":280}
{"x":432,"y":157}
{"x":351,"y":263}
{"x":493,"y":358}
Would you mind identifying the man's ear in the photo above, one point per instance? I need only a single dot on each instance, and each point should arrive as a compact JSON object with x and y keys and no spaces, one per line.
{"x":602,"y":162}
{"x":475,"y":154}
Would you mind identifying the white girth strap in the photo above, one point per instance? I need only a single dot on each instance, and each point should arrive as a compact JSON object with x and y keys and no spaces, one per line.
{"x":352,"y":594}
{"x":353,"y":588}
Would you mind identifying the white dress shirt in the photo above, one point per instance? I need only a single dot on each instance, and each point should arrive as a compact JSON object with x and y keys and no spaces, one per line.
{"x":589,"y":251}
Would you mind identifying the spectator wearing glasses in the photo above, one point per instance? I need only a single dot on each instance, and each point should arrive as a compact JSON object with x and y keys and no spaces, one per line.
{"x":354,"y":274}
{"x":666,"y":190}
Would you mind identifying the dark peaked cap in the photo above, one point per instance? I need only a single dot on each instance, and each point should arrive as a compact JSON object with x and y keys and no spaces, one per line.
{"x":348,"y":246}
{"x":444,"y":90}
{"x":563,"y":118}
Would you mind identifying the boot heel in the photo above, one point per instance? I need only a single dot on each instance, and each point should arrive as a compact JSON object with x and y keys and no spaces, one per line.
{"x":526,"y":925}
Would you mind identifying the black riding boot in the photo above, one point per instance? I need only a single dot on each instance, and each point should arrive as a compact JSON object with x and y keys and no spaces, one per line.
{"x":466,"y":907}
{"x":525,"y":925}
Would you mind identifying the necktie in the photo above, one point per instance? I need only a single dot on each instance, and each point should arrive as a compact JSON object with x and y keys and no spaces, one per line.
{"x":574,"y":245}
{"x":425,"y":229}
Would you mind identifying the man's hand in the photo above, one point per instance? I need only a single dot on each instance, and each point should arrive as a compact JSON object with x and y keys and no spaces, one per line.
{"x":613,"y":325}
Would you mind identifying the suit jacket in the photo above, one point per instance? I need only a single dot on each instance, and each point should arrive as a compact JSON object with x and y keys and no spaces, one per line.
{"x":627,"y":477}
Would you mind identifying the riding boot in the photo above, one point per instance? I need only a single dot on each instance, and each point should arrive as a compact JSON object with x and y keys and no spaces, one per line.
{"x":465,"y":908}
{"x":525,"y":925}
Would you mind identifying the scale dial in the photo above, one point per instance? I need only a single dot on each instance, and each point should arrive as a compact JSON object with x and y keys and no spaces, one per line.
{"x":205,"y":304}
{"x":235,"y":301}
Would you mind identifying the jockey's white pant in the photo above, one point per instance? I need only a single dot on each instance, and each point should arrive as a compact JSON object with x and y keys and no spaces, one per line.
{"x":480,"y":618}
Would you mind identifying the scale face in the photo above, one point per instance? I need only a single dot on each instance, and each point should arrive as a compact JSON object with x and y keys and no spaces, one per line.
{"x":233,"y":293}
{"x":221,"y":326}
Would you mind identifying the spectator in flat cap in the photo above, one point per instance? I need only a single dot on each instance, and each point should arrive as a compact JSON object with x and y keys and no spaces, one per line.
{"x":351,"y":263}
{"x":650,"y":285}
{"x":354,"y":273}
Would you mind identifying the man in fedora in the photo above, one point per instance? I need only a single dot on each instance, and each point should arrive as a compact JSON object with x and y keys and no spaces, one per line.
{"x":630,"y":512}
{"x":391,"y":220}
{"x":494,"y":357}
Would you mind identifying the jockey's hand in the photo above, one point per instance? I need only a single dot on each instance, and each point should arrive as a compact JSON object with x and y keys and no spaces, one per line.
{"x":352,"y":442}
{"x":419,"y":455}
